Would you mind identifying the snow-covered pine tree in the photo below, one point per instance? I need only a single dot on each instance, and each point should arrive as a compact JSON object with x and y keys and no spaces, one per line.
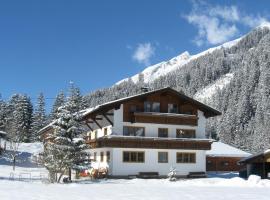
{"x":39,"y":118}
{"x":64,"y":146}
{"x":2,"y":114}
{"x":59,"y":101}
{"x":75,"y":98}
{"x":19,"y":116}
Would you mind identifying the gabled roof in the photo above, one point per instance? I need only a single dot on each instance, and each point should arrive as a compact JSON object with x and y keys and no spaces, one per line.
{"x":225,"y":150}
{"x":257,"y":156}
{"x":209,"y":111}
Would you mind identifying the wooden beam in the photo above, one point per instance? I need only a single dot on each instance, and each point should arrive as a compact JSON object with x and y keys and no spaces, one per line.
{"x":111,"y":114}
{"x":107,"y":118}
{"x":89,"y":126}
{"x":98,"y":118}
{"x":97,"y":123}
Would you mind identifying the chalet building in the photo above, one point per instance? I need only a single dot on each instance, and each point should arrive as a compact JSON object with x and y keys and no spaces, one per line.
{"x":224,"y":158}
{"x":149,"y":133}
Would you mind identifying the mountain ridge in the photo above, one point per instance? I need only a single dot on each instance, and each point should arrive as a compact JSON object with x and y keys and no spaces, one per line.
{"x":152,"y":72}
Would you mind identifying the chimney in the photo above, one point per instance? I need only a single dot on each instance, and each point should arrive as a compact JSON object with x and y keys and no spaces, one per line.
{"x":144,"y":89}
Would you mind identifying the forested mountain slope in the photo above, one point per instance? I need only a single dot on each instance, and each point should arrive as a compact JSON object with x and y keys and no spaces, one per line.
{"x":234,"y":78}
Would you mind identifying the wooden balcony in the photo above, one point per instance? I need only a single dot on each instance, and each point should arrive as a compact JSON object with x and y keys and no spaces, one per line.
{"x":165,"y":118}
{"x":150,"y":143}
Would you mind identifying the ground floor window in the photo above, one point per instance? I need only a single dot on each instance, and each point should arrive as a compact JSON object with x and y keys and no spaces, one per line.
{"x":95,"y":156}
{"x":101,"y":156}
{"x":185,"y":157}
{"x":163,"y":157}
{"x":108,"y":156}
{"x":133,"y":156}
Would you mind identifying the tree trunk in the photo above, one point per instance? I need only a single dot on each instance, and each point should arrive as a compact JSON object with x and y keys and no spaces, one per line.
{"x":69,"y":174}
{"x":14,"y":163}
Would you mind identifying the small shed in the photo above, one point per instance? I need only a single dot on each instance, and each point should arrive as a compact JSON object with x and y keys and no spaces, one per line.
{"x":224,"y":158}
{"x":258,"y":164}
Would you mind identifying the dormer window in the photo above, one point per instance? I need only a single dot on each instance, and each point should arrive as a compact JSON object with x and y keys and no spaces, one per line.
{"x":172,"y":108}
{"x":151,"y":106}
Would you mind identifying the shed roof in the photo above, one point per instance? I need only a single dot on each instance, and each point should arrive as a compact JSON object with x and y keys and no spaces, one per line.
{"x":257,"y":156}
{"x":224,"y":150}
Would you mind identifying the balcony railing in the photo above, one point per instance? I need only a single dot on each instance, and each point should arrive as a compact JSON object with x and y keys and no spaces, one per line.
{"x":166,"y":118}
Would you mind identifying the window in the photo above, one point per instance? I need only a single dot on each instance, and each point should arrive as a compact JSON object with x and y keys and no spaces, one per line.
{"x":108,"y":156}
{"x":185,"y":133}
{"x":105,"y":131}
{"x":172,"y":108}
{"x":133,"y":156}
{"x":147,"y":106}
{"x":95,"y":132}
{"x":186,"y":158}
{"x":151,"y":106}
{"x":162,"y":157}
{"x":162,"y":132}
{"x":156,"y":107}
{"x":133,"y":131}
{"x":95,"y":156}
{"x":101,"y":156}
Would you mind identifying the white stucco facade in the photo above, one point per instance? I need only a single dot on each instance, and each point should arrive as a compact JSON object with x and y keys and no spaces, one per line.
{"x":119,"y":168}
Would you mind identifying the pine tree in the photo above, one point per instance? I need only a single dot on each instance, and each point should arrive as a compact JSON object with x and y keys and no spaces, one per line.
{"x":64,"y":147}
{"x":2,"y":114}
{"x":59,"y":101}
{"x":75,"y":98}
{"x":39,"y":118}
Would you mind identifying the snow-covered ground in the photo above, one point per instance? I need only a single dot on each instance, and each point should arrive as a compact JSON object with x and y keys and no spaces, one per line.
{"x":203,"y":189}
{"x":28,"y":183}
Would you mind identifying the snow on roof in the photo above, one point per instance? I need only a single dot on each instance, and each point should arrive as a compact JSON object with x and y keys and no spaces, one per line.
{"x":225,"y":150}
{"x":46,"y":127}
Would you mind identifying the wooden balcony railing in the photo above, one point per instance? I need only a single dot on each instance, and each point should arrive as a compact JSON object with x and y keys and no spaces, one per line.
{"x":166,"y":118}
{"x":150,"y":143}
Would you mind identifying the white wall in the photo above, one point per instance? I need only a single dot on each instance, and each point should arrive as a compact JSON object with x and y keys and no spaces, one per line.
{"x":200,"y":129}
{"x":118,"y":121}
{"x":119,"y":168}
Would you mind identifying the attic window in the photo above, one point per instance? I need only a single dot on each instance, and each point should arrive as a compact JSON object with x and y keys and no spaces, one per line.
{"x":151,"y":106}
{"x":172,"y":108}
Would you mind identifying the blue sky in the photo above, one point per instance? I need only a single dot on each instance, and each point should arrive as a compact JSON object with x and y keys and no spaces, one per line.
{"x":46,"y":44}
